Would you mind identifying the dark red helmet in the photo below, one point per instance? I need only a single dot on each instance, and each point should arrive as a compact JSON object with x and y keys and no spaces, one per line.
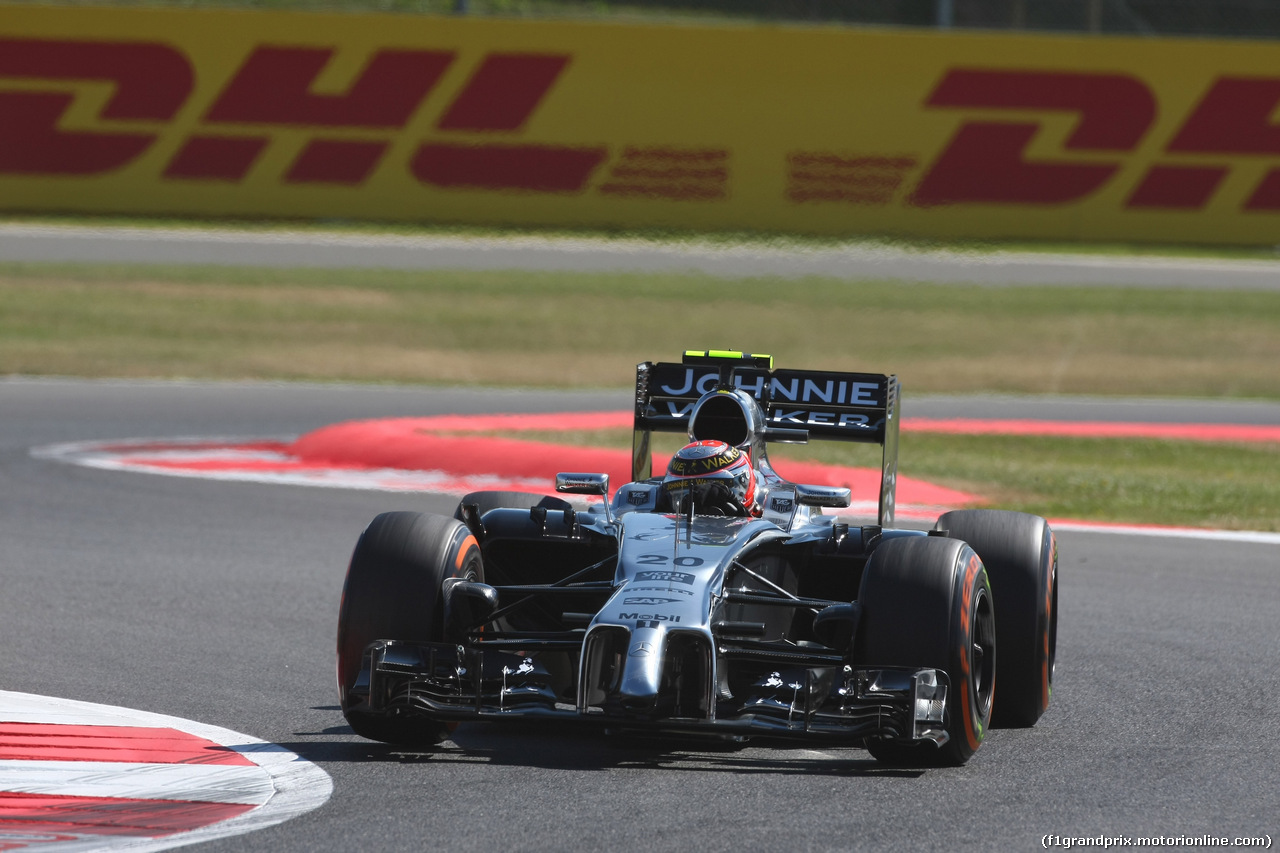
{"x":717,"y":477}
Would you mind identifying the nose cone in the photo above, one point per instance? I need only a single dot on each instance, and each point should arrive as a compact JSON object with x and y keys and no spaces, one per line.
{"x":642,"y":669}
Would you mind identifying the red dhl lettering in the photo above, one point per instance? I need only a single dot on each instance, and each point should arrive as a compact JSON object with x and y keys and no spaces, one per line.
{"x":151,"y":82}
{"x":984,"y":162}
{"x":501,"y":96}
{"x":1171,"y":187}
{"x":216,"y":158}
{"x":503,"y":92}
{"x":1235,"y":118}
{"x":274,"y":88}
{"x":336,"y":161}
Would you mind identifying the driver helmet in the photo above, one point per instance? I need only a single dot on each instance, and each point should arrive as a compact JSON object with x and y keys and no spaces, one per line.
{"x":717,"y":477}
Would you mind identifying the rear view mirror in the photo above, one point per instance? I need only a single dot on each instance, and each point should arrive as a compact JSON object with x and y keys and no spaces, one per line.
{"x":583,"y":484}
{"x":586,"y":484}
{"x":828,"y":496}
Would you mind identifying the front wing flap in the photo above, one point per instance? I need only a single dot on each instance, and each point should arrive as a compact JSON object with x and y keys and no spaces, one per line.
{"x":450,"y":682}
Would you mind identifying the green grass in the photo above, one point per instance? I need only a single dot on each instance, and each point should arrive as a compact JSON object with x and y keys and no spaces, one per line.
{"x":1138,"y":481}
{"x":554,"y":329}
{"x":589,"y":330}
{"x":1135,"y":481}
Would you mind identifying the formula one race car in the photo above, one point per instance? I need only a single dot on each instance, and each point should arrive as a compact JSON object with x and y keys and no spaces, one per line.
{"x":716,"y":599}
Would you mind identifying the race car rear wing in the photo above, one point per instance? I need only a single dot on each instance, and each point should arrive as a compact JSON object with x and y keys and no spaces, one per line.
{"x":861,"y":407}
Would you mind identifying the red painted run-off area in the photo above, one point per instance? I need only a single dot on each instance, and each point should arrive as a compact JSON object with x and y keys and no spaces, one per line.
{"x":484,"y":451}
{"x":447,"y":443}
{"x":592,"y":421}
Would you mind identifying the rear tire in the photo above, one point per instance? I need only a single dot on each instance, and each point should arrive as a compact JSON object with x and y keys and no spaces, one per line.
{"x":1021,"y":556}
{"x":926,"y":602}
{"x":392,"y":592}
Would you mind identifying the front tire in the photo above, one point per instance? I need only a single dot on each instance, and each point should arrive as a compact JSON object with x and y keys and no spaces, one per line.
{"x":1021,"y":556}
{"x":926,"y":602}
{"x":392,"y":592}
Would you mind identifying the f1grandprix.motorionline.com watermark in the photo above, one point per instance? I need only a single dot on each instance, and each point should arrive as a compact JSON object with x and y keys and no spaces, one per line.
{"x":1109,"y":841}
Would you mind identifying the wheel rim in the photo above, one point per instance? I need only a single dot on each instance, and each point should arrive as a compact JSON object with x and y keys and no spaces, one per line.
{"x":982,"y":652}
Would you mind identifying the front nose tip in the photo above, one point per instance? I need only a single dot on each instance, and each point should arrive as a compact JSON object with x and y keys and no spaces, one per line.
{"x":637,"y":704}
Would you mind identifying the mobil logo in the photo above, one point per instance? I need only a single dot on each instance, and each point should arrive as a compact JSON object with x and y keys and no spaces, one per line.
{"x":985,"y":161}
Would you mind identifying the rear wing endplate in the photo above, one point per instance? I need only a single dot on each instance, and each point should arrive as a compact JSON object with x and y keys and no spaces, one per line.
{"x":860,"y":407}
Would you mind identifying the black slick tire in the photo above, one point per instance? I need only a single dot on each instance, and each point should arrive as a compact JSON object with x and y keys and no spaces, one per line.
{"x":392,"y":592}
{"x":926,"y":602}
{"x":1021,"y":556}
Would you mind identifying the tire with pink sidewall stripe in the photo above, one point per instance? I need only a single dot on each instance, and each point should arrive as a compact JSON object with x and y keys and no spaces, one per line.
{"x":392,"y":591}
{"x":1021,"y":556}
{"x":926,"y":602}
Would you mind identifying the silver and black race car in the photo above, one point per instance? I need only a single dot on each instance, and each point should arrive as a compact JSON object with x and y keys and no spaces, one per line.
{"x":671,"y":608}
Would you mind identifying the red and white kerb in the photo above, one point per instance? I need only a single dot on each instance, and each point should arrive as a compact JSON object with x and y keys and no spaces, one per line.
{"x":78,"y":776}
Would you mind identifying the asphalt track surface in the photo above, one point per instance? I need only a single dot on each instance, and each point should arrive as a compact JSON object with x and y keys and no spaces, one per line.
{"x":275,"y":248}
{"x":217,"y":601}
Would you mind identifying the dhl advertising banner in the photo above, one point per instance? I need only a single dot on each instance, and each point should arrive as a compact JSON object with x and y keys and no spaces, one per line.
{"x":811,"y":130}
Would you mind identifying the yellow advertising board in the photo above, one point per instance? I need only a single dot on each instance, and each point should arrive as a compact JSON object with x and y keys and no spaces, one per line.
{"x":775,"y":128}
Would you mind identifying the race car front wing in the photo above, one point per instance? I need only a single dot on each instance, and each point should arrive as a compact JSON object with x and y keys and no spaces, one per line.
{"x":810,"y":696}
